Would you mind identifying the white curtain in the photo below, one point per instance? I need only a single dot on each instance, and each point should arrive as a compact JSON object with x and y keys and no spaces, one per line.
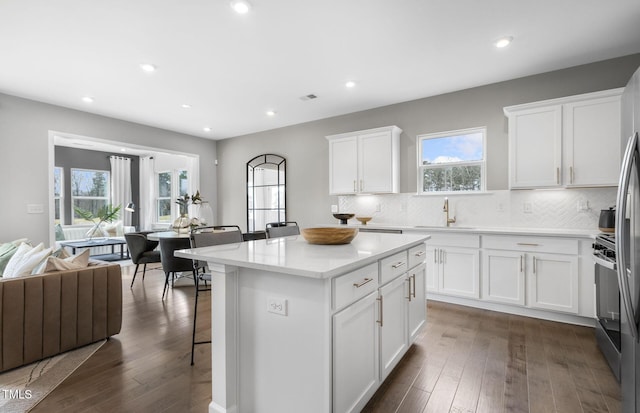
{"x":121,"y":185}
{"x":147,"y":193}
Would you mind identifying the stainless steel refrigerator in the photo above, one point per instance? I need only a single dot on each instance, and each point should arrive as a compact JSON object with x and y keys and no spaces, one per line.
{"x":627,"y":239}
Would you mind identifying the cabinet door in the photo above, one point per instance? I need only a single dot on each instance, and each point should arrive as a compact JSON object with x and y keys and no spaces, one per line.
{"x":343,"y":165}
{"x":591,"y":141}
{"x":393,"y":326}
{"x":355,"y":354}
{"x":376,"y":163}
{"x":459,"y":272}
{"x":553,"y":282}
{"x":432,"y":270}
{"x":417,"y":301}
{"x":503,"y":276}
{"x":535,"y":146}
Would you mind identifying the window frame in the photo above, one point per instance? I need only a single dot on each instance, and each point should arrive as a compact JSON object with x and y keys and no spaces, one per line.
{"x":107,"y":198}
{"x":446,"y":165}
{"x":58,"y":170}
{"x":174,"y":191}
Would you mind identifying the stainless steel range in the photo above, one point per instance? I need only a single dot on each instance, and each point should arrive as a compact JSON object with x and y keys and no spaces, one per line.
{"x":607,"y":300}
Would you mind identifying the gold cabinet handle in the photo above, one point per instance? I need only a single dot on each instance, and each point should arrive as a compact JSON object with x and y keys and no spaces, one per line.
{"x":521,"y":264}
{"x":380,"y":311}
{"x":534,"y":264}
{"x":365,"y":281}
{"x":419,"y":254}
{"x":528,"y":244}
{"x":571,"y":174}
{"x":413,"y":283}
{"x":409,"y":282}
{"x":435,"y":256}
{"x":398,"y":264}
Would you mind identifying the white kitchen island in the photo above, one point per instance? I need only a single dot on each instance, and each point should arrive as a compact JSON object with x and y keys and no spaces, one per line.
{"x":311,"y":328}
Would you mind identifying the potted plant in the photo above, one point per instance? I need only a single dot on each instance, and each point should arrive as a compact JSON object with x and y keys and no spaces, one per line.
{"x":106,"y":213}
{"x":183,"y":223}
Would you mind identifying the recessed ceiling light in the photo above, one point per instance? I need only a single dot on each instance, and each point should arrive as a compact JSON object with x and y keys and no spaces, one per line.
{"x":503,"y":42}
{"x":123,"y":149}
{"x":206,"y":129}
{"x":241,"y":6}
{"x":148,"y":67}
{"x":350,"y":84}
{"x":186,"y":106}
{"x":87,"y":99}
{"x":271,"y":113}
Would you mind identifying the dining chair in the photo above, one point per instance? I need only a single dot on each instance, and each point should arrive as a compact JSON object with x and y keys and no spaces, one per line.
{"x":172,"y":264}
{"x":207,"y":237}
{"x":256,"y":235}
{"x":142,"y":251}
{"x":282,"y":229}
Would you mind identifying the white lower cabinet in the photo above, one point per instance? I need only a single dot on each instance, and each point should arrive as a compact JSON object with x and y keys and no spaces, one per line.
{"x":535,"y":272}
{"x":416,"y":300}
{"x":503,"y":278}
{"x":355,"y":354}
{"x":453,"y":265}
{"x":371,"y":335}
{"x":394,"y":339}
{"x":553,"y":282}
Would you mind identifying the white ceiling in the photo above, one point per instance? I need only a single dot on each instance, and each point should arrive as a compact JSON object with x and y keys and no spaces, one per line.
{"x":233,"y":68}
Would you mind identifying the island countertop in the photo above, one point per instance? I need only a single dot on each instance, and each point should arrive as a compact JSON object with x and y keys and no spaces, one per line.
{"x":293,"y":255}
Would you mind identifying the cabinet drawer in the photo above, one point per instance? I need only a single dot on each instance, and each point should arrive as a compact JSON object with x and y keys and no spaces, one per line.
{"x":454,"y":240}
{"x":393,"y":266}
{"x":531,"y":244}
{"x":354,"y":285}
{"x":417,"y":255}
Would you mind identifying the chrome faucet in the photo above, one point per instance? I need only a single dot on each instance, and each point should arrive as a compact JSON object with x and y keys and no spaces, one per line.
{"x":446,"y":209}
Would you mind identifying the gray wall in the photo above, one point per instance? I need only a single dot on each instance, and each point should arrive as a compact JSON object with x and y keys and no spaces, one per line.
{"x":24,"y":167}
{"x":68,"y":158}
{"x":306,"y":149}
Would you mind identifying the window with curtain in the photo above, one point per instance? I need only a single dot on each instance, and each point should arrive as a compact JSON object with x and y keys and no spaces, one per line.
{"x":89,"y":191}
{"x":58,"y":195}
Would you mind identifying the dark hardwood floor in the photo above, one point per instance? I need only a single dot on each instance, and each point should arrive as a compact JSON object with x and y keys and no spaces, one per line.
{"x":466,"y":360}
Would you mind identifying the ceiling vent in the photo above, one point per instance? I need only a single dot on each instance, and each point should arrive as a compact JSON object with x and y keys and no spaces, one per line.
{"x":308,"y":97}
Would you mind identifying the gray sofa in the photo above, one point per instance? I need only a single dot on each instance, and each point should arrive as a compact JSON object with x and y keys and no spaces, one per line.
{"x":44,"y":315}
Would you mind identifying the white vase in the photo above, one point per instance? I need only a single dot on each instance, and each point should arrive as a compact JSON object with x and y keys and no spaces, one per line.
{"x":96,"y":231}
{"x":181,"y":224}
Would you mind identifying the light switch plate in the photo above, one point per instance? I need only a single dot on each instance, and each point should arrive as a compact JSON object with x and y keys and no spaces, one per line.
{"x":35,"y":209}
{"x":527,"y":208}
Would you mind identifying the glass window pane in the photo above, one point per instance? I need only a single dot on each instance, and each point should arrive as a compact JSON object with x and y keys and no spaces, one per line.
{"x":164,"y":210}
{"x":57,"y":182}
{"x":465,"y":178}
{"x":91,"y":205}
{"x":456,"y":148}
{"x":89,"y":183}
{"x":183,"y":183}
{"x":164,"y":184}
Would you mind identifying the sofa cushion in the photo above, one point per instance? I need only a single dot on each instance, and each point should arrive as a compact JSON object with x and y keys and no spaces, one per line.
{"x":25,"y":259}
{"x":59,"y":233}
{"x":60,"y":253}
{"x":73,"y":262}
{"x":114,"y":229}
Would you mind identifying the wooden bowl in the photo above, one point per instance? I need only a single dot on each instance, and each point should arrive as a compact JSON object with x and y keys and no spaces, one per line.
{"x":364,"y":220}
{"x":329,"y":235}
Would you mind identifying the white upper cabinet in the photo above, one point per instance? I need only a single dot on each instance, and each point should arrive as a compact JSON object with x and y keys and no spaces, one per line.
{"x":365,"y":161}
{"x":591,"y":131}
{"x":573,"y":141}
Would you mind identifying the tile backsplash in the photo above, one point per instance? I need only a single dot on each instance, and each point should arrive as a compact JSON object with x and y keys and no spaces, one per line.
{"x":553,"y":208}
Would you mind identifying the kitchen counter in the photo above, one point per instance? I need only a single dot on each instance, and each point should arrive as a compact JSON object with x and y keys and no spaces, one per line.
{"x":558,"y":232}
{"x":273,"y":306}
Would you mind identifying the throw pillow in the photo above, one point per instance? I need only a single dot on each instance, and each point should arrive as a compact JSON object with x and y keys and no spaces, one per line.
{"x":59,"y":253}
{"x":59,"y":233}
{"x":25,"y":259}
{"x":70,"y":263}
{"x":114,"y":229}
{"x":6,"y":252}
